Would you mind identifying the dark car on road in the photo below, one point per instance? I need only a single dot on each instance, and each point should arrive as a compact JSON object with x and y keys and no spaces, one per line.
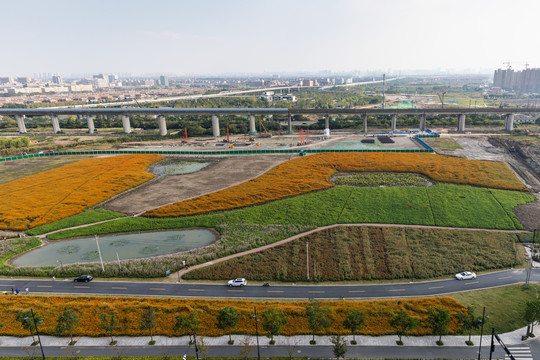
{"x":83,"y":278}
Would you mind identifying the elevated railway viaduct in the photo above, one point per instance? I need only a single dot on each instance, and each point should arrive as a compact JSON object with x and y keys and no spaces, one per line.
{"x":214,"y":113}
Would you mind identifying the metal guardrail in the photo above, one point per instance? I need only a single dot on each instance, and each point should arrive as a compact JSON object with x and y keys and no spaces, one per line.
{"x":427,"y":149}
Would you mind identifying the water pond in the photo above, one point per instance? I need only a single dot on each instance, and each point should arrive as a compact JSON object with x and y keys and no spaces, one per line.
{"x":128,"y":246}
{"x":177,"y":167}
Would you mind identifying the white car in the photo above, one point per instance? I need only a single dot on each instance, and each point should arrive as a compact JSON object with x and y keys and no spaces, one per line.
{"x":237,"y":282}
{"x":466,"y":275}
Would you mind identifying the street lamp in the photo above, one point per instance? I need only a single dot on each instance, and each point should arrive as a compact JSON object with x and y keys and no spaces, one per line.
{"x":37,"y":332}
{"x":257,"y":331}
{"x":484,"y":316}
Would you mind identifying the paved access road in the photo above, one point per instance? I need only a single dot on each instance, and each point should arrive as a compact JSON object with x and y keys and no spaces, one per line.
{"x":500,"y":278}
{"x":401,"y":352}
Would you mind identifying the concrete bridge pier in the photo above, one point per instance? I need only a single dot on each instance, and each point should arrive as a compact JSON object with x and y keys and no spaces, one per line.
{"x":461,"y":122}
{"x":162,"y":125}
{"x":423,"y":125}
{"x":393,"y":125}
{"x":327,"y":125}
{"x":55,"y":124}
{"x":289,"y":125}
{"x":252,"y":129}
{"x":364,"y":125}
{"x":20,"y":123}
{"x":125,"y":124}
{"x":509,"y":122}
{"x":215,"y":125}
{"x":91,"y":127}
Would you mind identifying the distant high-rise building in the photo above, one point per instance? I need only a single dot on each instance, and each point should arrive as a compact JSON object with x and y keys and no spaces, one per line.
{"x":23,"y":80}
{"x":57,"y":79}
{"x":113,"y":78}
{"x":527,"y":80}
{"x":6,"y":80}
{"x":164,"y":80}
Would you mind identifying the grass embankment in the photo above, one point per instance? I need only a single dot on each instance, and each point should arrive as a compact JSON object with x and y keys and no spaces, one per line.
{"x":310,"y":173}
{"x":378,"y":314}
{"x":17,"y":169}
{"x":444,"y":144}
{"x":504,"y":305}
{"x":243,"y":229}
{"x":379,"y":179}
{"x":87,"y":217}
{"x":68,"y":190}
{"x":366,"y":253}
{"x":12,"y":247}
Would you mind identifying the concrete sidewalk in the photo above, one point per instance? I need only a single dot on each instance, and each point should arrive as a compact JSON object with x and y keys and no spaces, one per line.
{"x":511,"y":338}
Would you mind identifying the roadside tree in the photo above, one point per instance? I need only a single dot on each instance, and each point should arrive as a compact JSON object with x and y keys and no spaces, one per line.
{"x":272,"y":321}
{"x":148,"y":322}
{"x":317,"y":317}
{"x":403,"y":323}
{"x":438,"y":320}
{"x":188,"y":323}
{"x":227,"y":320}
{"x":340,"y":346}
{"x":469,"y":322}
{"x":531,"y":313}
{"x":66,"y":323}
{"x":354,"y":321}
{"x":27,"y":322}
{"x":109,"y":323}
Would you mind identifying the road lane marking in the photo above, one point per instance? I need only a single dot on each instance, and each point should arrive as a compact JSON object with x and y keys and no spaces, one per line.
{"x":44,"y":286}
{"x":316,"y":292}
{"x":470,"y":283}
{"x":195,"y":289}
{"x":504,"y":277}
{"x":82,"y":287}
{"x":275,"y":291}
{"x":396,"y":290}
{"x":119,"y":288}
{"x":357,"y":291}
{"x":157,"y":289}
{"x":235,"y":290}
{"x":435,"y":287}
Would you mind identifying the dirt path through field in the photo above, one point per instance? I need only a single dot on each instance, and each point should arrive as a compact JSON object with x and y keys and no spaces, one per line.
{"x":175,"y":276}
{"x":221,"y":174}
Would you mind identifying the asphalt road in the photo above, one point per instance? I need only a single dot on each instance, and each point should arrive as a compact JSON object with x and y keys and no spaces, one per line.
{"x":427,"y":288}
{"x":398,"y":352}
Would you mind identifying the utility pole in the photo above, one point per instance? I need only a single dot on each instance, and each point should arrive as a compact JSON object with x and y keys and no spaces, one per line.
{"x":99,"y":252}
{"x":307,"y":259}
{"x":257,"y":331}
{"x":37,"y":333}
{"x":383,"y":78}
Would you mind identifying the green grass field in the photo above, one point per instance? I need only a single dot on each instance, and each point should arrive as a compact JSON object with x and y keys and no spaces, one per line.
{"x":445,"y":144}
{"x":504,"y":305}
{"x":87,"y":217}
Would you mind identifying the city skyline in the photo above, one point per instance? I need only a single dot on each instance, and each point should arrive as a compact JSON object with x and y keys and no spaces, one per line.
{"x":243,"y":37}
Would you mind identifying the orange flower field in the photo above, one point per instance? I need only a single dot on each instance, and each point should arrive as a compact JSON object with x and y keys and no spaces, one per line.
{"x":68,"y":190}
{"x":129,"y":309}
{"x":309,"y":173}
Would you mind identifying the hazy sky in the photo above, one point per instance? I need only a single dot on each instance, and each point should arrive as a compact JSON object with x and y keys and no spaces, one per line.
{"x":229,"y":36}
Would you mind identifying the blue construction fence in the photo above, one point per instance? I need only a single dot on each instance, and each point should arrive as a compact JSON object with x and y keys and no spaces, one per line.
{"x":426,"y":149}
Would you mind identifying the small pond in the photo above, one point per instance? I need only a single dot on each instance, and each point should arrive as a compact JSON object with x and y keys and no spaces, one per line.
{"x":128,"y":246}
{"x":177,"y":167}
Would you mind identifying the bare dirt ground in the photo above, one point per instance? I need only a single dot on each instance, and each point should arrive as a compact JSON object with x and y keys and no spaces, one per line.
{"x":222,"y":173}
